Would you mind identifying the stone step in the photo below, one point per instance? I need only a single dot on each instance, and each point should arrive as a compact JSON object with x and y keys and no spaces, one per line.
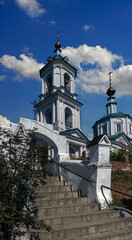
{"x":42,"y":202}
{"x":75,"y":209}
{"x":56,"y":183}
{"x":52,"y":179}
{"x":53,"y":188}
{"x":55,"y":180}
{"x":79,"y":218}
{"x":58,"y":195}
{"x":73,"y":218}
{"x":125,"y":234}
{"x":70,"y":231}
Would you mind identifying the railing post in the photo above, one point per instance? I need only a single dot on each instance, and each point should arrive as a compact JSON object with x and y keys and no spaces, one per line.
{"x":99,"y":170}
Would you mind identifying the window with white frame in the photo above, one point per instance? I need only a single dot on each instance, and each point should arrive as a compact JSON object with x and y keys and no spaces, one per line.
{"x":49,"y":82}
{"x":48,"y":116}
{"x":67,"y":82}
{"x":130,"y":126}
{"x":104,"y":129}
{"x":68,"y":117}
{"x":118,"y":125}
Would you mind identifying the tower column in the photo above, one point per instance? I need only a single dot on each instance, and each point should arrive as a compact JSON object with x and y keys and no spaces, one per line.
{"x":53,"y":112}
{"x":61,"y":77}
{"x":74,"y":118}
{"x":62,"y":112}
{"x":42,"y":86}
{"x":58,"y":112}
{"x":41,"y":116}
{"x":78,"y":119}
{"x":38,"y":116}
{"x":53,"y":77}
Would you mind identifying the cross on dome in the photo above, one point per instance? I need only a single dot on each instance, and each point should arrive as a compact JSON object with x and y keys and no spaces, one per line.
{"x":111,"y":91}
{"x":57,"y":45}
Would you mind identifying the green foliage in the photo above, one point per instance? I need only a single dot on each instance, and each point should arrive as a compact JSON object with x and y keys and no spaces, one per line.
{"x":22,"y":168}
{"x":123,"y":178}
{"x":122,"y":181}
{"x":117,"y":203}
{"x":123,"y":203}
{"x":117,"y":154}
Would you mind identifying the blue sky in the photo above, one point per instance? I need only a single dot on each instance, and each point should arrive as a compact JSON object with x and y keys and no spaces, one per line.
{"x":95,"y":35}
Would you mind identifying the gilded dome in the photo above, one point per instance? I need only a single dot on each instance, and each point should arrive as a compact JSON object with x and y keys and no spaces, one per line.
{"x":58,"y":45}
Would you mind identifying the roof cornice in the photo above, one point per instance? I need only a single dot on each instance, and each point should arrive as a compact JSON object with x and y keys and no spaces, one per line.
{"x":57,"y":61}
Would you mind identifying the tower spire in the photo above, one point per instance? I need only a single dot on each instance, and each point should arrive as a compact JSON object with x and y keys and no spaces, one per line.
{"x":57,"y":45}
{"x":110,"y":77}
{"x":58,"y":36}
{"x":111,"y":91}
{"x":111,"y":105}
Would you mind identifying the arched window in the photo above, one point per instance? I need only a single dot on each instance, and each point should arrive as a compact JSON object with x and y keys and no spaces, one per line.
{"x":68,"y":117}
{"x":48,"y":116}
{"x":49,"y":82}
{"x":67,"y":82}
{"x":104,"y":129}
{"x":130,"y":127}
{"x":118,"y":125}
{"x":71,"y":150}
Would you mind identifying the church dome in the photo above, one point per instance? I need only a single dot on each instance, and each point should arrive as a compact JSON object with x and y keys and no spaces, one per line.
{"x":58,"y":45}
{"x":111,"y":91}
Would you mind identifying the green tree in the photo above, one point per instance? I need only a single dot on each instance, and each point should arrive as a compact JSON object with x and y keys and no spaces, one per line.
{"x":22,"y":168}
{"x":117,"y":154}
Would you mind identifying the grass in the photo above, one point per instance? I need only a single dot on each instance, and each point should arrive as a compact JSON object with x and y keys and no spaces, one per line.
{"x":122,"y":181}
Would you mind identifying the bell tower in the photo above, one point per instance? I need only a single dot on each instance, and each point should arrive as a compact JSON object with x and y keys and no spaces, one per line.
{"x":58,"y":104}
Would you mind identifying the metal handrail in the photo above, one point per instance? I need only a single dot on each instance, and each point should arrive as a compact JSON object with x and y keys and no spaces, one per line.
{"x":125,"y":194}
{"x":112,"y":207}
{"x":58,"y":164}
{"x":102,"y":186}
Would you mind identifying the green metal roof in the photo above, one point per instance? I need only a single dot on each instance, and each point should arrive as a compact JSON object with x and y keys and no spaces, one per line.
{"x":113,"y":115}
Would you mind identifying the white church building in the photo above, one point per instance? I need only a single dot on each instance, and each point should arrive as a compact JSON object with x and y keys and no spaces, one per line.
{"x":57,"y":124}
{"x":116,"y":125}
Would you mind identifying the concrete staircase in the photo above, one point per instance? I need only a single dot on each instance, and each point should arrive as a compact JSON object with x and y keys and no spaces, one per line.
{"x":73,"y":218}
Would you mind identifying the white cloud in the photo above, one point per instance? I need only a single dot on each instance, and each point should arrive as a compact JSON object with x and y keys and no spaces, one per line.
{"x":1,"y":2}
{"x":94,"y":64}
{"x":18,"y":78}
{"x":122,"y":78}
{"x":85,"y":54}
{"x":4,"y":121}
{"x":52,"y":23}
{"x":90,"y":136}
{"x":26,"y":66}
{"x":31,"y":7}
{"x":27,"y":51}
{"x":2,"y":78}
{"x":87,"y":27}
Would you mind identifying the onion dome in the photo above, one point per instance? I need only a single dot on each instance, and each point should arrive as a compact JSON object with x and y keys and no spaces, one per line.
{"x":58,"y":51}
{"x":111,"y":91}
{"x":58,"y":45}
